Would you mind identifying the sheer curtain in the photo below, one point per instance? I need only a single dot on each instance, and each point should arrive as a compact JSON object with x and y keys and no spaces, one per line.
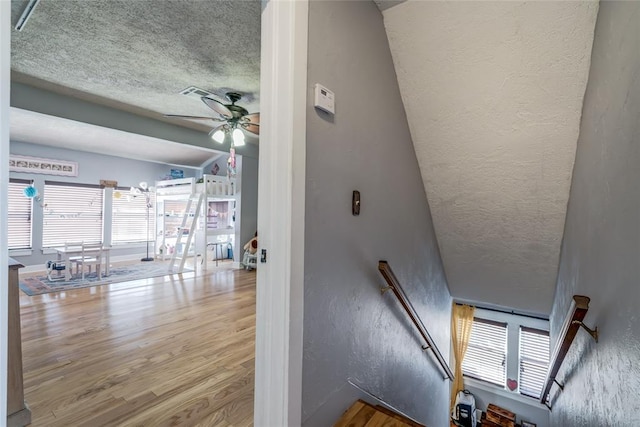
{"x":461,"y":322}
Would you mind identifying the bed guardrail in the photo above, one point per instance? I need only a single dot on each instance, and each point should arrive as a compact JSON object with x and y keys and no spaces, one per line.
{"x":212,"y":185}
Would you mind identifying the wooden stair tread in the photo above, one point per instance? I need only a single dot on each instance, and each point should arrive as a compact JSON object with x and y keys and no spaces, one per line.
{"x":349,"y":414}
{"x":363,"y":414}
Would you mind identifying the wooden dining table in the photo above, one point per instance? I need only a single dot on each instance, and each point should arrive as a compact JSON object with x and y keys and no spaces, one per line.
{"x":66,"y":253}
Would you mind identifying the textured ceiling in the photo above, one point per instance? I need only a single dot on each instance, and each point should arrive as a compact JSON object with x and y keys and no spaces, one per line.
{"x":73,"y":135}
{"x":493,"y":93}
{"x":137,"y":55}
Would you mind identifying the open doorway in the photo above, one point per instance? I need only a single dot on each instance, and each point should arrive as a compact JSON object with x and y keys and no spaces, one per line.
{"x":38,"y":96}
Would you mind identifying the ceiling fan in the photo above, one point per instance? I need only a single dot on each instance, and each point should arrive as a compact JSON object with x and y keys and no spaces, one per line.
{"x":234,"y":119}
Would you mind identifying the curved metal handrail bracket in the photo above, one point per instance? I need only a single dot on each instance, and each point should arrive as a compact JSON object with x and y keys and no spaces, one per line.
{"x":572,"y":323}
{"x":394,"y":285}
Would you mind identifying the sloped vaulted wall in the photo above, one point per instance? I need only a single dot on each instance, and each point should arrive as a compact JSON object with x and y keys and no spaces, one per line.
{"x":493,"y":92}
{"x":600,"y":255}
{"x":350,"y":329}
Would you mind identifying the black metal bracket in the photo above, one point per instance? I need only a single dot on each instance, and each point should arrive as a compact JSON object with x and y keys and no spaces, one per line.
{"x":558,"y":384}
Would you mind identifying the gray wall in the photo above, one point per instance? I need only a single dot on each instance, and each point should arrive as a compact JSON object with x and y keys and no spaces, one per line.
{"x":248,"y":203}
{"x":91,"y":169}
{"x":350,"y":329}
{"x":221,"y":160}
{"x":94,"y":167}
{"x":600,"y":255}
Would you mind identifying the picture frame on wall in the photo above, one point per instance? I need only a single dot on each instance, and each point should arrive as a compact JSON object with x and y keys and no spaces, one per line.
{"x":29,"y":164}
{"x":528,"y":424}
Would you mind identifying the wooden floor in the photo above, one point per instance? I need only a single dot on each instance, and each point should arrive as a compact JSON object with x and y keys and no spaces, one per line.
{"x":156,"y":352}
{"x":363,"y":414}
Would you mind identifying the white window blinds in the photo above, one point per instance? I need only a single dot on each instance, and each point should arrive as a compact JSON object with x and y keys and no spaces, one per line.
{"x":486,"y":355}
{"x":71,"y":213}
{"x":129,"y":218}
{"x":534,"y":360}
{"x":19,"y":216}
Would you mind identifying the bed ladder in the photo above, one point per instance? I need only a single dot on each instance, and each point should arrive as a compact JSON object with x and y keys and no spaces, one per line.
{"x":190,"y":221}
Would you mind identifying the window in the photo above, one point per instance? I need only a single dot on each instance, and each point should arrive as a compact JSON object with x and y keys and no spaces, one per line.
{"x":505,"y":345}
{"x":129,"y":218}
{"x":486,"y":355}
{"x":19,"y":216}
{"x":72,"y":212}
{"x":534,"y":360}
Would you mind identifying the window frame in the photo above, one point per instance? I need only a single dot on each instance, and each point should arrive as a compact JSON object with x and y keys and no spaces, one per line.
{"x":521,"y":358}
{"x":152,"y":219}
{"x":514,"y":322}
{"x":477,"y":320}
{"x":22,"y":183}
{"x":48,"y":244}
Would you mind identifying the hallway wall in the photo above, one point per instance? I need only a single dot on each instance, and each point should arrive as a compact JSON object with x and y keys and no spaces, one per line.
{"x":600,"y":255}
{"x":351,"y":331}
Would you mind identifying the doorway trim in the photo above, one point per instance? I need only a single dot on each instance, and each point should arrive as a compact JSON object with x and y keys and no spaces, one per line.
{"x":281,"y":208}
{"x":5,"y":90}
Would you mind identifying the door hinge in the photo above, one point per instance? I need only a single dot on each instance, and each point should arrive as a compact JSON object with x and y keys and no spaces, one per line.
{"x":263,"y":256}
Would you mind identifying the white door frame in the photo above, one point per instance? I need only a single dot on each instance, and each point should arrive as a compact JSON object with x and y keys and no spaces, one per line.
{"x":281,"y":188}
{"x":5,"y":82}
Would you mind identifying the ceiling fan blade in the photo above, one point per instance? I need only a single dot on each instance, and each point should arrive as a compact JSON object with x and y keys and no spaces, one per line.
{"x":218,"y":107}
{"x":251,"y":118}
{"x":251,"y":127}
{"x":179,"y":116}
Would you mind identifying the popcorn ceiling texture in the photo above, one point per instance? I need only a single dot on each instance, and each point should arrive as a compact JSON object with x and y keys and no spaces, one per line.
{"x":493,"y":93}
{"x":143,"y":52}
{"x":601,"y":248}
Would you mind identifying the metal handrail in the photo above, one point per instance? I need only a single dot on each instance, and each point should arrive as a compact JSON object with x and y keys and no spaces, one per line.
{"x":394,"y":285}
{"x":572,"y":323}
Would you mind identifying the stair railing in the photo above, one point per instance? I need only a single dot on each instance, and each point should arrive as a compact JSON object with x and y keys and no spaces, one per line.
{"x":394,"y":286}
{"x":572,"y":323}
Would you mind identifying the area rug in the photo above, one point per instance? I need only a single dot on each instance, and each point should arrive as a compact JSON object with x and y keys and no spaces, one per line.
{"x":37,"y":285}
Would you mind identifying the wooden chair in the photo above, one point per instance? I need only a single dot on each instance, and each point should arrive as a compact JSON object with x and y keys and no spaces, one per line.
{"x":91,"y":255}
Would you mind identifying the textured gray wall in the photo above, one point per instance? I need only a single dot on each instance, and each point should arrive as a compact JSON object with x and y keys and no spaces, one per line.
{"x":600,"y":256}
{"x":350,"y":329}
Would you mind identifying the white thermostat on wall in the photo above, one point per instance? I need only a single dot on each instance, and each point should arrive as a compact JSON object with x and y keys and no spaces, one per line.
{"x":324,"y":99}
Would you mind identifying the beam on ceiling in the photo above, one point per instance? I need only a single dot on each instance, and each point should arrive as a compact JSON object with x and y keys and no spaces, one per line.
{"x":58,"y":105}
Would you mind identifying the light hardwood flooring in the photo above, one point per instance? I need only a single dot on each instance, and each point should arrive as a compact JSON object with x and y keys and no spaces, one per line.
{"x":168,"y":351}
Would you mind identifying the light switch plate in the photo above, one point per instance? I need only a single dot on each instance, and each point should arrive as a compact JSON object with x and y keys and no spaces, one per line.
{"x":324,"y":99}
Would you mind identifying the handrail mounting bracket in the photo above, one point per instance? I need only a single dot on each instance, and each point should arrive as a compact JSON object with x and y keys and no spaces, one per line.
{"x":385,"y":289}
{"x":592,"y":332}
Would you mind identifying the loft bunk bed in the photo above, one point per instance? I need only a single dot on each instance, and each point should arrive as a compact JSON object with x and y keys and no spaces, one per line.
{"x":193,"y":215}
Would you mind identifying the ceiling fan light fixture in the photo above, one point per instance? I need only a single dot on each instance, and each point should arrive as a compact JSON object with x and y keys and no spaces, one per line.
{"x":218,"y":136}
{"x":238,"y":138}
